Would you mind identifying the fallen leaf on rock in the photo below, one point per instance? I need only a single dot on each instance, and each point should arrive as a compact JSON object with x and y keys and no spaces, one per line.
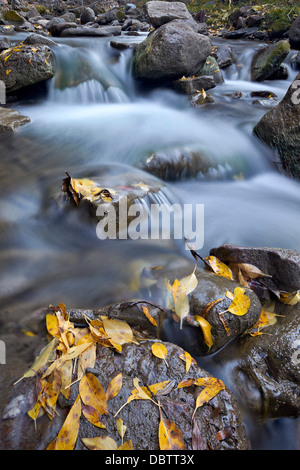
{"x":114,"y":387}
{"x":266,"y":319}
{"x":291,"y":298}
{"x":147,"y":314}
{"x":126,"y":446}
{"x":92,"y":393}
{"x":251,"y":271}
{"x":212,"y":387}
{"x":179,"y":290}
{"x":121,"y":428}
{"x":205,"y":311}
{"x":100,"y":443}
{"x":118,"y":332}
{"x":93,"y":416}
{"x":188,"y":359}
{"x":169,"y":435}
{"x":241,"y":302}
{"x":67,"y":436}
{"x":206,"y":330}
{"x":159,"y":350}
{"x":218,"y":267}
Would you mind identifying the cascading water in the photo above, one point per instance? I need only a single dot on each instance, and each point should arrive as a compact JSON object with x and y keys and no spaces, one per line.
{"x":96,"y":122}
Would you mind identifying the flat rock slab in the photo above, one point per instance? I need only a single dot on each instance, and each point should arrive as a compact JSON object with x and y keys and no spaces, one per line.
{"x":283,"y":265}
{"x":11,"y":120}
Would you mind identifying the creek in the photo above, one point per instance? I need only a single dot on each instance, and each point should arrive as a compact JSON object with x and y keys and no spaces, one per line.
{"x":107,"y":125}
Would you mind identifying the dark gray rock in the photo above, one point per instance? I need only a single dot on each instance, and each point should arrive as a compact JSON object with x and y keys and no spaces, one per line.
{"x":87,"y":15}
{"x":279,"y":128}
{"x":190,"y":86}
{"x":224,"y":56}
{"x":294,"y":34}
{"x":170,"y":52}
{"x":283,"y":265}
{"x":104,"y":31}
{"x":39,"y":39}
{"x":4,"y":44}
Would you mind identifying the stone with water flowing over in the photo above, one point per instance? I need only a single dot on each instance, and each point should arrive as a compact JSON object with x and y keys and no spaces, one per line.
{"x":279,"y":128}
{"x":23,"y":65}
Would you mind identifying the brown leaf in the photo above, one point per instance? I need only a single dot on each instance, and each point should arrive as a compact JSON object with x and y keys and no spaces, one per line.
{"x":93,"y":416}
{"x":169,"y":435}
{"x":67,"y":436}
{"x":114,"y":387}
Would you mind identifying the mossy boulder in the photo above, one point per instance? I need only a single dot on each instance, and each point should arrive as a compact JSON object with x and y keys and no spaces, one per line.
{"x":267,"y":60}
{"x":12,"y":17}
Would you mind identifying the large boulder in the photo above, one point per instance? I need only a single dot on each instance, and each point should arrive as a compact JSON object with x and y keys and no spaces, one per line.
{"x":24,"y":65}
{"x":170,"y":52}
{"x":294,"y":34}
{"x":87,"y":16}
{"x":160,"y":13}
{"x":267,"y":60}
{"x":280,"y":129}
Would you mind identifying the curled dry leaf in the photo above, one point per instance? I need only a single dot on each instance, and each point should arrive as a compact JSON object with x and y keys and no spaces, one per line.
{"x":147,"y":314}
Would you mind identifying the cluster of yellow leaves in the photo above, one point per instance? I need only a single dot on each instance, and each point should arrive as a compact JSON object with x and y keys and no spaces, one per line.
{"x":86,"y":188}
{"x":71,"y":351}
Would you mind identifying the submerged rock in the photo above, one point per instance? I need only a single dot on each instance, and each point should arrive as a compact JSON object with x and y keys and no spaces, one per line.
{"x":11,"y":120}
{"x":267,"y":60}
{"x":25,"y":65}
{"x":170,"y":52}
{"x":279,"y":128}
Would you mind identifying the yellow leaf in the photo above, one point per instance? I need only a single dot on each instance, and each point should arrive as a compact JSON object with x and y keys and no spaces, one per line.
{"x":121,"y":428}
{"x":118,"y":332}
{"x":67,"y":436}
{"x":170,"y":436}
{"x":290,"y":299}
{"x":8,"y":71}
{"x":219,"y":268}
{"x":147,"y":314}
{"x":206,"y":330}
{"x":93,"y":416}
{"x":92,"y":393}
{"x":86,"y":359}
{"x":100,"y":443}
{"x":66,"y":378}
{"x":40,"y":361}
{"x":187,"y":358}
{"x":212,"y":387}
{"x":159,"y":350}
{"x":114,"y":387}
{"x":251,"y":271}
{"x":241,"y":302}
{"x":126,"y":446}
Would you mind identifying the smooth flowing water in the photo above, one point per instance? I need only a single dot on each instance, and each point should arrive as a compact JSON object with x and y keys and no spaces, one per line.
{"x":95,"y":121}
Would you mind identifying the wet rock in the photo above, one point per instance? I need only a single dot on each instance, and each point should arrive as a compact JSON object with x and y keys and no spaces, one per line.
{"x":160,"y":13}
{"x":210,"y":287}
{"x":294,"y":34}
{"x":279,"y":128}
{"x":211,"y":69}
{"x":224,"y":56}
{"x":28,"y":66}
{"x":282,"y":264}
{"x":87,"y":16}
{"x":11,"y":120}
{"x":56,"y":29}
{"x":267,"y":60}
{"x":81,"y":31}
{"x":267,"y":368}
{"x":170,"y":52}
{"x":295,"y":61}
{"x":39,"y":39}
{"x":190,"y":86}
{"x":219,"y":417}
{"x":247,"y":33}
